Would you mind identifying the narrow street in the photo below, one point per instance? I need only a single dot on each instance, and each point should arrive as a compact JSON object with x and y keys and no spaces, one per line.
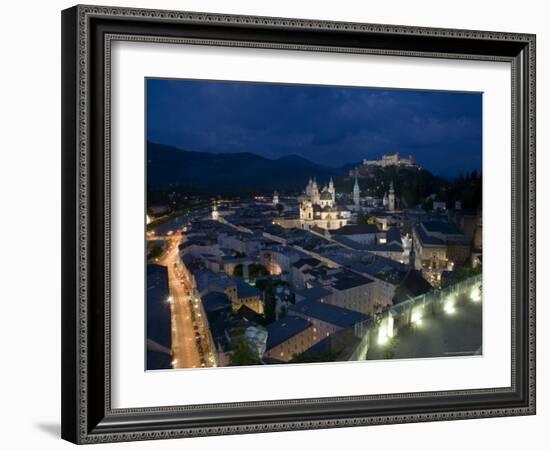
{"x":186,"y":323}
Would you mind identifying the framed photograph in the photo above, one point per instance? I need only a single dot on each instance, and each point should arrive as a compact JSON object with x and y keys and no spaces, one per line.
{"x":278,"y":224}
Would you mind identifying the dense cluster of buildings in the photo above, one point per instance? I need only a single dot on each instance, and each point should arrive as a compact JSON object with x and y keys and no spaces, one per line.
{"x":304,"y":271}
{"x":325,"y":297}
{"x":327,"y":209}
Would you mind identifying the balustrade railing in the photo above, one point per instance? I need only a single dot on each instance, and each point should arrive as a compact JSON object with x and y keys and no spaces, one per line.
{"x":386,"y":324}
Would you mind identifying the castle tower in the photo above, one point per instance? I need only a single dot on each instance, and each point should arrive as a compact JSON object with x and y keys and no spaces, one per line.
{"x":391,"y":198}
{"x":276,"y":198}
{"x":356,"y":192}
{"x":215,"y":212}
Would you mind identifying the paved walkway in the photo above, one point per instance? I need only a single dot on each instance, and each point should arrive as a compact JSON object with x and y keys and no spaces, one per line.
{"x":458,"y":334}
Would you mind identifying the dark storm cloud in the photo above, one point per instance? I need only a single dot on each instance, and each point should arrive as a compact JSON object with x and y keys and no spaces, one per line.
{"x":329,"y":125}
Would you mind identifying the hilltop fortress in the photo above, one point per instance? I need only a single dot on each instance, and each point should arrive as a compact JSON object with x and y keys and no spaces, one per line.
{"x":392,"y":160}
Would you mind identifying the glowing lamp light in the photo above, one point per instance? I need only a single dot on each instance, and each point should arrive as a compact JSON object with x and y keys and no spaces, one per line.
{"x":170,"y":299}
{"x":382,"y":336}
{"x":416,"y":318}
{"x":174,"y":362}
{"x":475,"y":295}
{"x":449,"y":306}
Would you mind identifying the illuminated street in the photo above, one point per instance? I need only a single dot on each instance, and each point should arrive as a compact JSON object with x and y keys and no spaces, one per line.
{"x":184,"y":347}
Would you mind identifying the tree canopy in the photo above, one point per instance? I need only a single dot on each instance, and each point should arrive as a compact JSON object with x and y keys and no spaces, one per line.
{"x":243,"y":353}
{"x":413,"y":186}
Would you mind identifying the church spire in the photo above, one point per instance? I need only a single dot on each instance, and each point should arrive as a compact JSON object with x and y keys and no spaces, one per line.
{"x":215,"y":212}
{"x":331,"y":190}
{"x":356,"y":191}
{"x":391,"y":198}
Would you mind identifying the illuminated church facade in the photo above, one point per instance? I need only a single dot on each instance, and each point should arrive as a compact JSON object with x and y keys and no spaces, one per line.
{"x":318,"y":207}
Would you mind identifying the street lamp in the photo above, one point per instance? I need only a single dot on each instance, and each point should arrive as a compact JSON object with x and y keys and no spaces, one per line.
{"x":449,"y":305}
{"x":382,"y":337}
{"x":416,"y":318}
{"x":475,"y":294}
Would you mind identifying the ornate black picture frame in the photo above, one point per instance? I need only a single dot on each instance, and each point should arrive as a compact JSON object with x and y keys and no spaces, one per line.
{"x":87,"y":34}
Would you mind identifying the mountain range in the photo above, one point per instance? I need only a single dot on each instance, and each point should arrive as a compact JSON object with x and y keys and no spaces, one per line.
{"x":170,"y":167}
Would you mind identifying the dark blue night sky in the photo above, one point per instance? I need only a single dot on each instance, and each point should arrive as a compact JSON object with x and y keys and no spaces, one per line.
{"x":331,"y":126}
